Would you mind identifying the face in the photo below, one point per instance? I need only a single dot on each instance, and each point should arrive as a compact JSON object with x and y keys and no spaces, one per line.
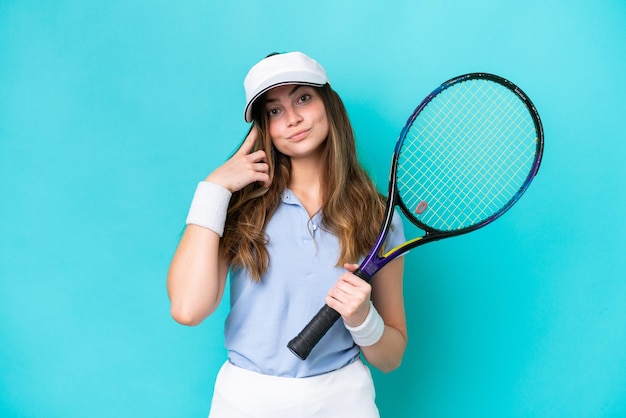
{"x":297,"y":121}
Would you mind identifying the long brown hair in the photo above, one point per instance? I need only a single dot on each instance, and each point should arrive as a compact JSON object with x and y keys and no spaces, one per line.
{"x":352,"y":207}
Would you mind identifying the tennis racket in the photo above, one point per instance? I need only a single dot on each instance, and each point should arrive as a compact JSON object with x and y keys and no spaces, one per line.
{"x":465,"y":156}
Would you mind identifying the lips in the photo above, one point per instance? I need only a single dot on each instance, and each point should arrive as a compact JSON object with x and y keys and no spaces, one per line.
{"x":299,"y":135}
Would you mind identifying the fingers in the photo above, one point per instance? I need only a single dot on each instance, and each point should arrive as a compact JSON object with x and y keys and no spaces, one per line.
{"x":258,"y":167}
{"x":255,"y":157}
{"x":350,"y":285}
{"x":350,"y":297}
{"x":351,"y":267}
{"x":244,"y":167}
{"x":248,"y":143}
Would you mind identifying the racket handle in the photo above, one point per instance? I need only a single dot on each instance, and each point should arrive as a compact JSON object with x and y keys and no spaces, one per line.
{"x":308,"y":338}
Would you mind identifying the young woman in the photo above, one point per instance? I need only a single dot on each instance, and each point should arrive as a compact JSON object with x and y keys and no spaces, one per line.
{"x":289,"y":216}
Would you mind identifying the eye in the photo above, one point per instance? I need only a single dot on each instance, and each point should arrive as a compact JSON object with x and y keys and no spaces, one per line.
{"x":304,"y":98}
{"x":273,"y":112}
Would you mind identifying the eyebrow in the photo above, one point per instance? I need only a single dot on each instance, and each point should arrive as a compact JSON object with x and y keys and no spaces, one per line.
{"x":291,"y":93}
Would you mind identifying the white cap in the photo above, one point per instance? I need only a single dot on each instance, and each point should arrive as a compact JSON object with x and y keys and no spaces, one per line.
{"x":279,"y":70}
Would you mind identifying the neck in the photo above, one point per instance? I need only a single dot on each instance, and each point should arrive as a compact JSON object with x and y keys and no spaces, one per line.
{"x":305,"y":182}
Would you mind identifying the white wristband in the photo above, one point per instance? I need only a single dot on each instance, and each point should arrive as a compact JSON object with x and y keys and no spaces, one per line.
{"x":209,"y":206}
{"x":370,"y":331}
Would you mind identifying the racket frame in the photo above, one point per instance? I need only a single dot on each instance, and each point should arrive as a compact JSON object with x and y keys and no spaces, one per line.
{"x":373,"y":261}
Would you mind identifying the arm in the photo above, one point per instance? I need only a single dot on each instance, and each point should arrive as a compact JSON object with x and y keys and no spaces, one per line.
{"x":350,"y":297}
{"x":197,"y":276}
{"x":197,"y":273}
{"x":388,"y":299}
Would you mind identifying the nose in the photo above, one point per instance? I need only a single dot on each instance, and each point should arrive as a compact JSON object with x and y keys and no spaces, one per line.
{"x":293,"y":117}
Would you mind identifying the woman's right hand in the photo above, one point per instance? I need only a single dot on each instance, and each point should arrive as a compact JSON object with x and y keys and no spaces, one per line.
{"x":243,"y":168}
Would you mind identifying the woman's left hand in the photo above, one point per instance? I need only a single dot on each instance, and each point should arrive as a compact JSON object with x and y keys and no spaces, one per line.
{"x":350,"y":297}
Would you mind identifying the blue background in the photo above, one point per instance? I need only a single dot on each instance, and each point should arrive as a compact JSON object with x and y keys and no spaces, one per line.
{"x":110,"y":112}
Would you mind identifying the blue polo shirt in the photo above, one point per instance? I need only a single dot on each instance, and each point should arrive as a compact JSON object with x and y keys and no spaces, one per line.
{"x":264,"y":316}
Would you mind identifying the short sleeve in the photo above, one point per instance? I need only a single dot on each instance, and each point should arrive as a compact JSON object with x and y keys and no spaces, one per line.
{"x":395,"y":236}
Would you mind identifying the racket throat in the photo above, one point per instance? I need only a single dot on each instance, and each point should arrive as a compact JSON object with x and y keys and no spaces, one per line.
{"x":363,"y":274}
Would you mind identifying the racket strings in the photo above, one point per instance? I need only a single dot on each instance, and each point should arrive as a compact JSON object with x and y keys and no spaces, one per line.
{"x":458,"y":204}
{"x":467,"y":154}
{"x":473,"y":170}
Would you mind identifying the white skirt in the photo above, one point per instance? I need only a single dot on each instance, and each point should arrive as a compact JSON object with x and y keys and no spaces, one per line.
{"x":347,"y":392}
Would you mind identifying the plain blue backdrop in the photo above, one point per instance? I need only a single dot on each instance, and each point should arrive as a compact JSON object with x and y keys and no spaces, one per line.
{"x":110,"y":112}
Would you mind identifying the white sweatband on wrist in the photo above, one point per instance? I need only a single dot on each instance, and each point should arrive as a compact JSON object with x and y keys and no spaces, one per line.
{"x":209,"y":206}
{"x":370,"y":331}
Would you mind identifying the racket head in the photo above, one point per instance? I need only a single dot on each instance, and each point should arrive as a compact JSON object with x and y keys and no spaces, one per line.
{"x":466,"y":154}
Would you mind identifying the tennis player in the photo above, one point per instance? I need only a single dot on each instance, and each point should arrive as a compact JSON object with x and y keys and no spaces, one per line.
{"x":288,"y":218}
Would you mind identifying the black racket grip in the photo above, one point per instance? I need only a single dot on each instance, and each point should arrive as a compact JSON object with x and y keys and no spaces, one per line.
{"x":313,"y":332}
